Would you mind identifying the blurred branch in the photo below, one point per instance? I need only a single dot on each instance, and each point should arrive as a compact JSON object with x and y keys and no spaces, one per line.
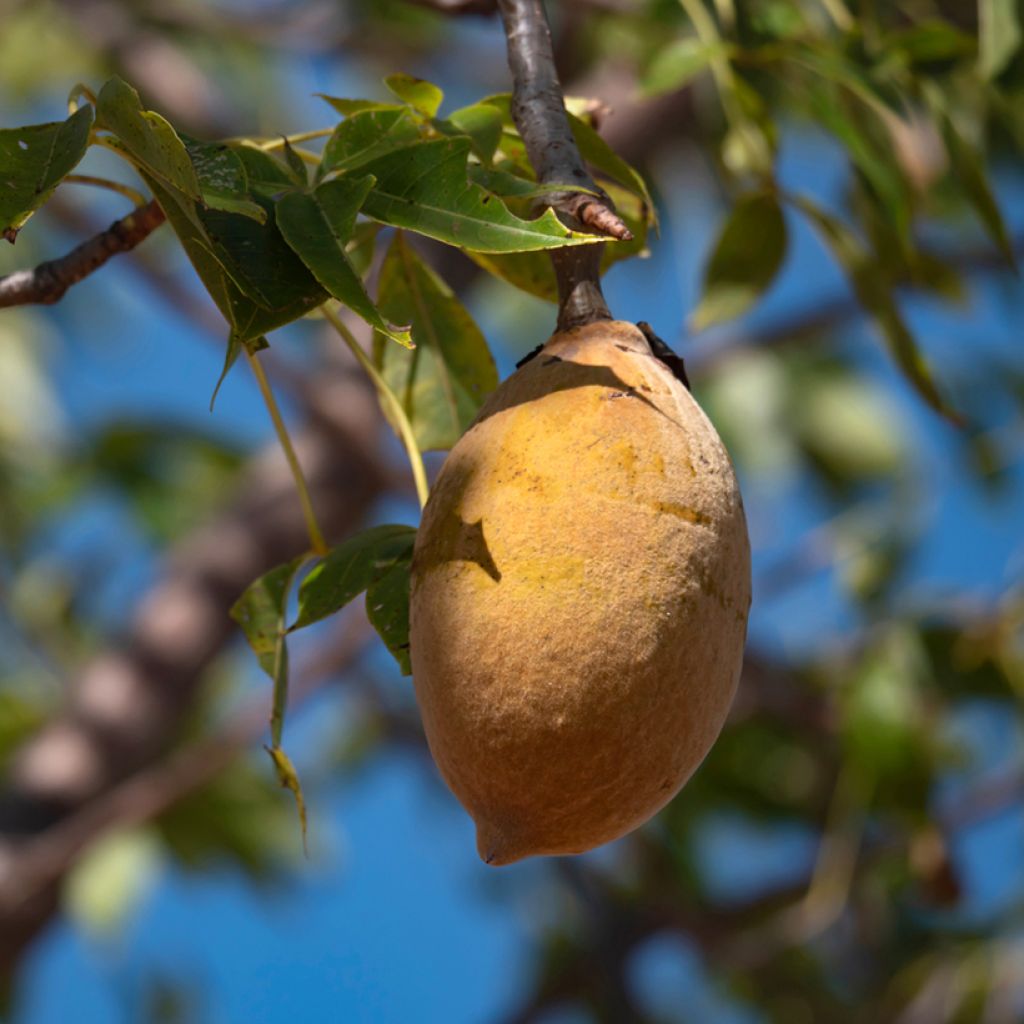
{"x":834,"y":311}
{"x":35,"y":866}
{"x":458,"y":7}
{"x":48,"y":282}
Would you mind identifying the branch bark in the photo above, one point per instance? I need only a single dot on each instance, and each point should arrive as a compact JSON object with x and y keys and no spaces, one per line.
{"x":48,"y":282}
{"x":538,"y":108}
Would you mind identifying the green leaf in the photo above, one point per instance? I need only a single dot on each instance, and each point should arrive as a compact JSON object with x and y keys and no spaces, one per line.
{"x":876,"y":297}
{"x":318,"y":227}
{"x":444,"y":379}
{"x":601,"y":156}
{"x":33,"y":160}
{"x":222,"y":179}
{"x":678,"y":63}
{"x":361,"y":246}
{"x":748,"y":254}
{"x":930,"y":41}
{"x":387,"y":608}
{"x":366,"y":136}
{"x":349,"y":569}
{"x":268,"y":176}
{"x":147,"y":137}
{"x":223,"y":247}
{"x":481,"y":122}
{"x":532,"y":272}
{"x":348,"y":107}
{"x":968,"y":168}
{"x":107,"y":884}
{"x":877,"y":165}
{"x":260,"y":611}
{"x":999,"y":35}
{"x":296,"y":165}
{"x":425,"y":188}
{"x":234,"y":350}
{"x":506,"y":184}
{"x":419,"y":94}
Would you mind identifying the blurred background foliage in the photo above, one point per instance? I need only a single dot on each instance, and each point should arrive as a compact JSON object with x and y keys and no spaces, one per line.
{"x":839,"y":187}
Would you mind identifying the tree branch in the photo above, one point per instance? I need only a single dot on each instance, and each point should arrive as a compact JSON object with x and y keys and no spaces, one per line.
{"x":459,"y":7}
{"x":538,"y":108}
{"x":49,"y":281}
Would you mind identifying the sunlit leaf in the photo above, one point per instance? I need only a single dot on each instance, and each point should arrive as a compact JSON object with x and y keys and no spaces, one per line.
{"x":592,"y":147}
{"x":33,"y":160}
{"x":147,"y":137}
{"x":748,"y":254}
{"x":348,"y":107}
{"x":421,"y":95}
{"x":481,"y":122}
{"x":366,"y":136}
{"x":318,"y":226}
{"x":107,"y":884}
{"x":999,"y":35}
{"x":349,"y":569}
{"x":442,"y":382}
{"x":425,"y":188}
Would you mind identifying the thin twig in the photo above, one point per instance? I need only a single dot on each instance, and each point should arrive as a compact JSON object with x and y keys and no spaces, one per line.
{"x":48,"y":282}
{"x":538,"y":108}
{"x":316,"y":537}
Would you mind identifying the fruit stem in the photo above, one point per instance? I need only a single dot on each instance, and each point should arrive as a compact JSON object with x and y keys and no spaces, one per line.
{"x":538,"y":109}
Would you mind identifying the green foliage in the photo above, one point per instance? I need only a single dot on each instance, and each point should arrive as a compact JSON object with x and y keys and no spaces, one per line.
{"x":34,"y":160}
{"x":747,"y":256}
{"x":351,"y":568}
{"x":443,"y":380}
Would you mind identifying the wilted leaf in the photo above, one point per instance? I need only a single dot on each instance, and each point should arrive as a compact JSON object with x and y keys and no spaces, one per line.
{"x":349,"y":569}
{"x":366,"y":136}
{"x":676,"y":64}
{"x":442,"y":382}
{"x":748,"y":254}
{"x":318,"y":226}
{"x":419,"y":94}
{"x":147,"y":137}
{"x":33,"y":160}
{"x":289,"y":779}
{"x":425,"y":188}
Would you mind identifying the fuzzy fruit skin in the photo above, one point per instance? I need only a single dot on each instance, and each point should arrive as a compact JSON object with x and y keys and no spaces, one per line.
{"x":580,"y":589}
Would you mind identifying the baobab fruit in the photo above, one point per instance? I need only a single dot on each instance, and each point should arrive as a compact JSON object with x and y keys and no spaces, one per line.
{"x":580,"y":588}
